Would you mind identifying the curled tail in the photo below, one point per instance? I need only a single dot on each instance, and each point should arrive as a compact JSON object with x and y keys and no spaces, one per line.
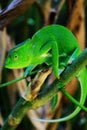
{"x":82,"y":77}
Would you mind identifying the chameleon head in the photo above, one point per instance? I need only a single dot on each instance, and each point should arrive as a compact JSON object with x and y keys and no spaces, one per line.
{"x":18,"y":56}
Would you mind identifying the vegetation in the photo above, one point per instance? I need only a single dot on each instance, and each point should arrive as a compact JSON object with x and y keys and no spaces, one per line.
{"x":20,"y":19}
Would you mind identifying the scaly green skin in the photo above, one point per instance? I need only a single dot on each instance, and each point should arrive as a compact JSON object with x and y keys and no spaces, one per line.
{"x":54,"y":45}
{"x":36,"y":51}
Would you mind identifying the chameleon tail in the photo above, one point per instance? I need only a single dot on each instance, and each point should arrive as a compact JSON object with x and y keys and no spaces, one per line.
{"x":82,"y":77}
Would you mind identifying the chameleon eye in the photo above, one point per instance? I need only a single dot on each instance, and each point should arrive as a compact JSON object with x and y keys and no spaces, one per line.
{"x":15,"y":57}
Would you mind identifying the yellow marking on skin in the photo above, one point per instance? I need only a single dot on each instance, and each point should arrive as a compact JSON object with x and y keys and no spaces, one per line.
{"x":46,"y":55}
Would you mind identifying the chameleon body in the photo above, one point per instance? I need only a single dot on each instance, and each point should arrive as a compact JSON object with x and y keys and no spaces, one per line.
{"x":54,"y":45}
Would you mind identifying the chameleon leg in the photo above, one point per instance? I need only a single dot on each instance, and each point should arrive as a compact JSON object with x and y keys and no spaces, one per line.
{"x":55,"y":58}
{"x":74,"y":55}
{"x":52,"y":45}
{"x":28,"y":70}
{"x":66,"y":59}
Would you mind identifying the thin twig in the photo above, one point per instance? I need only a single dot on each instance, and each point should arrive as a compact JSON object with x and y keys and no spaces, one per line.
{"x":13,"y":10}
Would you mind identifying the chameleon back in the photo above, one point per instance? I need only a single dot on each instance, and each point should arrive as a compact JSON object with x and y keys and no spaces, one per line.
{"x":67,"y":42}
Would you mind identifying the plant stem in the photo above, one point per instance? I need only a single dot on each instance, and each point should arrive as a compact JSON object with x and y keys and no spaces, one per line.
{"x":73,"y":100}
{"x":11,"y":82}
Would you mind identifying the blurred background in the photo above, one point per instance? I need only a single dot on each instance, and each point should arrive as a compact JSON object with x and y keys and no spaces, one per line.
{"x":19,"y":20}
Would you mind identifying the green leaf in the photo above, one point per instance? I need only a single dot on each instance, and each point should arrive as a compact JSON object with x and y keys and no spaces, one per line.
{"x":54,"y":102}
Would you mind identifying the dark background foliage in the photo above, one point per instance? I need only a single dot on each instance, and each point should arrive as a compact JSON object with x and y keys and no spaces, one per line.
{"x":41,"y":13}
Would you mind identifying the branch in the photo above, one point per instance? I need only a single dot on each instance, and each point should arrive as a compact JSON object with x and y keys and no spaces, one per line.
{"x":24,"y":105}
{"x":13,"y":10}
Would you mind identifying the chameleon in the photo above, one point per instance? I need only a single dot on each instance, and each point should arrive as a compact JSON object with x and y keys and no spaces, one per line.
{"x":56,"y":46}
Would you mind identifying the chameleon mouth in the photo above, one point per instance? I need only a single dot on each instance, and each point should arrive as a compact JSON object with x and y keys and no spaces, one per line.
{"x":7,"y":65}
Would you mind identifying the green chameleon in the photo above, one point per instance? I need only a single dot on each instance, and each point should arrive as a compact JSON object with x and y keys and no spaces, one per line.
{"x":56,"y":46}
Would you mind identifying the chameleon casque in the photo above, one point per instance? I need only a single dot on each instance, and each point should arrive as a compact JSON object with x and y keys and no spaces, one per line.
{"x":54,"y":45}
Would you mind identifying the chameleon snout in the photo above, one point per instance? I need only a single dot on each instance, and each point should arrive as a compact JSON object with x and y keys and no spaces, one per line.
{"x":7,"y":62}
